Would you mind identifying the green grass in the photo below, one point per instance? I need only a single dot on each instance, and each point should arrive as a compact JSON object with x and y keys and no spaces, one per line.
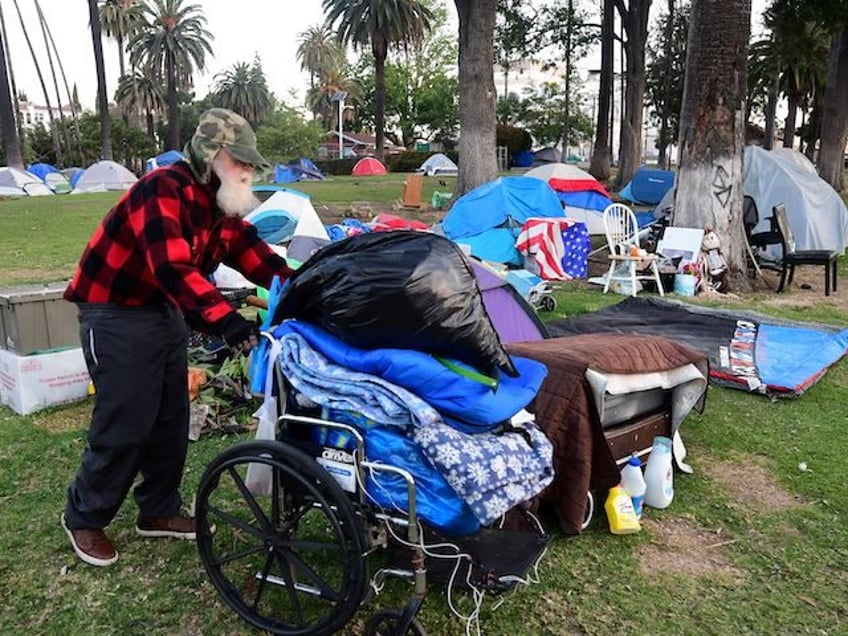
{"x":781,"y":569}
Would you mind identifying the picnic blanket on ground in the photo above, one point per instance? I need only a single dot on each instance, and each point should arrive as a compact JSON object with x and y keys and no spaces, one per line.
{"x":565,"y":410}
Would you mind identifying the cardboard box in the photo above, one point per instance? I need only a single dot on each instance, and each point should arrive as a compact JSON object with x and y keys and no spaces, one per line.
{"x":30,"y":383}
{"x":36,"y":317}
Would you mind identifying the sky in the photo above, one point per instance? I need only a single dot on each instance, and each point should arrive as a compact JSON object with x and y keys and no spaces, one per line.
{"x":241,"y":30}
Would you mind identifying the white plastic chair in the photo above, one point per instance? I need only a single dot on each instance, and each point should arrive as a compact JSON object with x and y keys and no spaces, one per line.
{"x":622,"y":235}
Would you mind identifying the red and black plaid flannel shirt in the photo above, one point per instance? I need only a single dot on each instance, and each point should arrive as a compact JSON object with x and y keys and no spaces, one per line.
{"x":160,"y":243}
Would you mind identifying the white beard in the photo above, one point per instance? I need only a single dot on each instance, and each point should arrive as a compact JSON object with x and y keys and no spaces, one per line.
{"x":236,"y":198}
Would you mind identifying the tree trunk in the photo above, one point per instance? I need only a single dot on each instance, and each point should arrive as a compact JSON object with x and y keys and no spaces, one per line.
{"x":635,"y":25}
{"x":599,"y":166}
{"x":173,"y":106}
{"x":834,"y":122}
{"x":771,"y":111}
{"x":63,"y":134}
{"x":11,"y":83}
{"x":151,"y":129}
{"x":712,"y":129}
{"x":378,"y":48}
{"x":566,"y":114}
{"x":102,"y":101}
{"x":477,"y":136}
{"x":815,"y":129}
{"x":11,"y":141}
{"x":662,"y":158}
{"x":789,"y":124}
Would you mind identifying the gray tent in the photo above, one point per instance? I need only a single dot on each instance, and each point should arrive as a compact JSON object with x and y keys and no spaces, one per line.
{"x":15,"y":182}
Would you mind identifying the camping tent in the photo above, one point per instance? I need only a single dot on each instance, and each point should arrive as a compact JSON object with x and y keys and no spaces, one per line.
{"x":73,"y":173}
{"x":283,"y":174}
{"x":306,"y":170}
{"x":546,"y":155}
{"x":438,"y":164}
{"x":41,"y":170}
{"x":165,"y":159}
{"x":57,"y":182}
{"x":286,"y":216}
{"x":15,"y":182}
{"x":582,"y":196}
{"x":512,"y":316}
{"x":817,"y":215}
{"x":368,"y":166}
{"x":489,"y":217}
{"x":104,"y":175}
{"x":648,"y":186}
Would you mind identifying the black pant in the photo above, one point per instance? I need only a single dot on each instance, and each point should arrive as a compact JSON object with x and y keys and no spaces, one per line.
{"x":137,"y":361}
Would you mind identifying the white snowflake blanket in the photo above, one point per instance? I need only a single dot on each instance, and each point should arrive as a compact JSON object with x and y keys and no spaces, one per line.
{"x":492,"y":472}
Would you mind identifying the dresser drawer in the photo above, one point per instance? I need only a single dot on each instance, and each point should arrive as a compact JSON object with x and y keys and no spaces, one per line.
{"x":637,"y":435}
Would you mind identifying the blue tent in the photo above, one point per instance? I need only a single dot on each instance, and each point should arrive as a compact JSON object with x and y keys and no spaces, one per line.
{"x":284,"y":174}
{"x":648,"y":186}
{"x":523,"y":159}
{"x":165,"y":159}
{"x":489,"y":218}
{"x":305,"y":169}
{"x":41,"y":170}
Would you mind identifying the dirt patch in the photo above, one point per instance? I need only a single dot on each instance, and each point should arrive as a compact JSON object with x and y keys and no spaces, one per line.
{"x":678,"y":547}
{"x":750,"y":486}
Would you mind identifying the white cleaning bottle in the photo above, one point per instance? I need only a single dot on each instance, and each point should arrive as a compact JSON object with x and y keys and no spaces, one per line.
{"x":634,"y":483}
{"x":659,"y":474}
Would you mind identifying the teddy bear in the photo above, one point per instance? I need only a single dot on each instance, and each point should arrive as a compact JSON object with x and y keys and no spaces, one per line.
{"x":712,"y":262}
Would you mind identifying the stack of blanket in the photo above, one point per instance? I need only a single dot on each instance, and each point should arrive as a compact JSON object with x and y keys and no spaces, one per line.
{"x":475,"y":435}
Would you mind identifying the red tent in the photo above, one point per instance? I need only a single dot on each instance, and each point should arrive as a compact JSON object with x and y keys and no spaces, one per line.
{"x":368,"y":166}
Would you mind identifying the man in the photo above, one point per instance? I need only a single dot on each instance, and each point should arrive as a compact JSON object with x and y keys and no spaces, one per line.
{"x":144,"y":269}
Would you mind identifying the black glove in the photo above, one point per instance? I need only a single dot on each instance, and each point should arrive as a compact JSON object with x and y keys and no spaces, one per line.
{"x":238,"y":332}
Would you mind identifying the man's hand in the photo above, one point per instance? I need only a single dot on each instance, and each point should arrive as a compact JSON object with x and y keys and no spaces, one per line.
{"x":240,"y":334}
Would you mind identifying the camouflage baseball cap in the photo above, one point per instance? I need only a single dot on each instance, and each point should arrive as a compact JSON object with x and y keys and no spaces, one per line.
{"x":221,"y":128}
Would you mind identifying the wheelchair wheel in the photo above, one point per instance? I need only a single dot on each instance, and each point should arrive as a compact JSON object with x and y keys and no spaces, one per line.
{"x":547,"y":303}
{"x":385,"y":623}
{"x":290,"y":564}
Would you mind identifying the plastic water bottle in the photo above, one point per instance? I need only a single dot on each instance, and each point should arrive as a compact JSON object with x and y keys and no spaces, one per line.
{"x":619,"y":507}
{"x":634,"y":483}
{"x":659,"y":476}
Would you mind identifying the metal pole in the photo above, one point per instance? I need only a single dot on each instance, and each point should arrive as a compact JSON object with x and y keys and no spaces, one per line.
{"x":341,"y":110}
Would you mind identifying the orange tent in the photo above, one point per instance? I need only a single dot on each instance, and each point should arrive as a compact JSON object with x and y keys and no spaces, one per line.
{"x":368,"y":166}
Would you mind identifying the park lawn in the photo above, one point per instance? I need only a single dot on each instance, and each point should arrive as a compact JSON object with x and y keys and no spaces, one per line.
{"x":751,"y":544}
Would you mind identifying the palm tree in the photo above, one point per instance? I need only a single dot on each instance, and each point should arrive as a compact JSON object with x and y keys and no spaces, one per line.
{"x":11,"y":141}
{"x":477,"y":159}
{"x":380,"y":23}
{"x":174,"y":41}
{"x":318,"y":48}
{"x":119,"y":19}
{"x":140,"y":91}
{"x":330,"y":81}
{"x":712,"y":128}
{"x":102,"y":101}
{"x":601,"y":163}
{"x":243,"y":89}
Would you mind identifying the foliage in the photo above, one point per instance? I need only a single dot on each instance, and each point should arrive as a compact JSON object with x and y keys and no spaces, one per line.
{"x":514,"y":138}
{"x":286,"y":135}
{"x":516,"y":33}
{"x":666,"y":69}
{"x":543,"y":107}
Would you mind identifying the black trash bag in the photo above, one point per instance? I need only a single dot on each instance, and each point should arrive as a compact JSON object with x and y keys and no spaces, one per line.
{"x":399,"y":290}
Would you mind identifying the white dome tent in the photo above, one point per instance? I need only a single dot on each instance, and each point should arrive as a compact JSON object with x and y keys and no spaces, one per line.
{"x":20,"y":183}
{"x":103,"y":176}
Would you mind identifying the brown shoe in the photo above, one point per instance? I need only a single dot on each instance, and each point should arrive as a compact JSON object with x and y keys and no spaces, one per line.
{"x":91,"y":545}
{"x":179,"y":526}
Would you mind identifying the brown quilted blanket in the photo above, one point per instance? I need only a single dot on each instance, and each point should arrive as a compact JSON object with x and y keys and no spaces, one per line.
{"x":565,"y":410}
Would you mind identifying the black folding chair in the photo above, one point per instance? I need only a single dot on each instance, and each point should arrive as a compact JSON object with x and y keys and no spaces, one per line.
{"x":792,"y":257}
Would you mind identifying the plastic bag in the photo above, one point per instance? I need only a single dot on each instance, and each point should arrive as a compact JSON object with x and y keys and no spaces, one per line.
{"x":400,"y":290}
{"x":259,"y":476}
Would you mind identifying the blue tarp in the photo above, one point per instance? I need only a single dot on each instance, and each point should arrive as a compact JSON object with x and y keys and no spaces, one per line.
{"x":305,"y":169}
{"x":489,"y":218}
{"x":523,"y":159}
{"x":746,"y":350}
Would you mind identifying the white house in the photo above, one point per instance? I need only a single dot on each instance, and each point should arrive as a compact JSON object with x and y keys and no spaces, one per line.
{"x":33,"y":114}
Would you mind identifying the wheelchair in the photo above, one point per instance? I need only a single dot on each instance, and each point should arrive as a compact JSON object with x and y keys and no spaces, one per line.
{"x":296,"y":558}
